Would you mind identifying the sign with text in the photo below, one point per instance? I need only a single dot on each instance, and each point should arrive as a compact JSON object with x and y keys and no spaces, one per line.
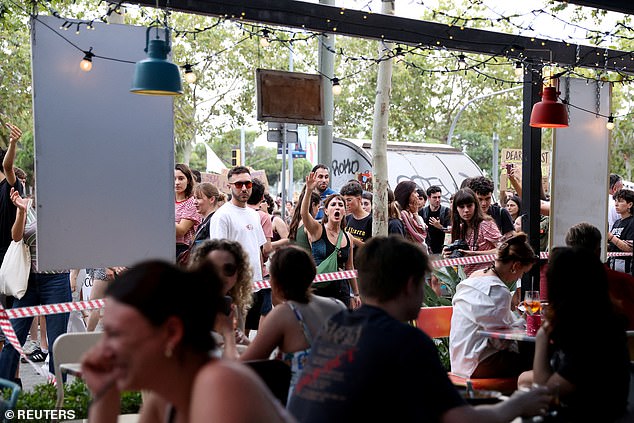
{"x":512,"y":158}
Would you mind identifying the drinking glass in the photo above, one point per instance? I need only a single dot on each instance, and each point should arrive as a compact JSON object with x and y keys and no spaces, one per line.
{"x":532,"y":302}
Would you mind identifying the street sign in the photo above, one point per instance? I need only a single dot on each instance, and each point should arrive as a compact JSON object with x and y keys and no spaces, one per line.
{"x":274,"y":132}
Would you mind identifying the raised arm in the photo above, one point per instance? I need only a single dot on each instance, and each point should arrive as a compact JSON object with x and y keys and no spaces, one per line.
{"x":9,"y":157}
{"x":312,"y":226}
{"x":17,"y":230}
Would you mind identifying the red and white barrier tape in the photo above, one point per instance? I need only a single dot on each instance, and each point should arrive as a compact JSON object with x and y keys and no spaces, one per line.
{"x":42,"y":310}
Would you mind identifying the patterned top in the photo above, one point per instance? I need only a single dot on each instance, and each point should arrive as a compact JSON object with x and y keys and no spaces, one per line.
{"x":488,"y":237}
{"x":187,"y":210}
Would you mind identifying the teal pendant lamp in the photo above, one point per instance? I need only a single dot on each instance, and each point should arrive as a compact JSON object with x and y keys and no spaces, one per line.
{"x":156,"y":75}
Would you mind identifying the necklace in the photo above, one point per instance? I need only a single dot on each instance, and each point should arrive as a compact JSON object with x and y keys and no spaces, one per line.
{"x":492,"y":268}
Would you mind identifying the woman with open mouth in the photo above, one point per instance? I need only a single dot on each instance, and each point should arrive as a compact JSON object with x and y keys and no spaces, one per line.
{"x":328,"y":238}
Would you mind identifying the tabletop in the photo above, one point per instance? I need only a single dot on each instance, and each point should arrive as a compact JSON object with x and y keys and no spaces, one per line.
{"x":508,"y":334}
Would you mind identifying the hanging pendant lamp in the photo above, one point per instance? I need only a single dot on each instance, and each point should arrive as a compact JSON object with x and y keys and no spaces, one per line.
{"x":549,"y":113}
{"x":156,"y":75}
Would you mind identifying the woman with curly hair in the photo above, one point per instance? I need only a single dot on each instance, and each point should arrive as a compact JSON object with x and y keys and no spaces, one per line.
{"x":232,"y":265}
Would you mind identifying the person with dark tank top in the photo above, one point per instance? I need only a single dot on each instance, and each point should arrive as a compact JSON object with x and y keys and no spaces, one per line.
{"x":323,"y":238}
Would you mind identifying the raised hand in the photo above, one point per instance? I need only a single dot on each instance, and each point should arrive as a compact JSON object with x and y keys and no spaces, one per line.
{"x":311,"y":183}
{"x":19,"y":202}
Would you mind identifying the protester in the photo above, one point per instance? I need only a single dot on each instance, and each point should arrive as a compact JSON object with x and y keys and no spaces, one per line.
{"x":394,"y":223}
{"x":206,"y":202}
{"x":358,"y":221}
{"x":322,"y":174}
{"x":298,"y":314}
{"x":591,"y":378}
{"x":437,"y":218}
{"x":469,"y":224}
{"x":324,"y":238}
{"x":621,"y":235}
{"x":50,"y":287}
{"x":296,"y":231}
{"x":616,"y":184}
{"x":366,"y":201}
{"x":406,"y":196}
{"x":483,"y":188}
{"x":369,"y":366}
{"x":163,"y":346}
{"x":186,"y":216}
{"x":483,"y":302}
{"x":514,"y":206}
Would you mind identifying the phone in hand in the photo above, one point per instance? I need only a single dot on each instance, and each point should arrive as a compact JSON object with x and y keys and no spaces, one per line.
{"x":509,"y":168}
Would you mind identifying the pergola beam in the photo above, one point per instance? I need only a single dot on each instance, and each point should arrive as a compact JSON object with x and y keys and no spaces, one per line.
{"x":330,"y":19}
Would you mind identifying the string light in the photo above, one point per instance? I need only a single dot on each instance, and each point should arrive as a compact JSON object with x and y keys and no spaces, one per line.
{"x":336,"y":86}
{"x":86,"y":63}
{"x":190,"y":76}
{"x":518,"y":69}
{"x":610,"y":124}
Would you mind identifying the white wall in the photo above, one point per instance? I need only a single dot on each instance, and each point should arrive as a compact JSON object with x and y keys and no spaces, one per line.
{"x":104,"y":156}
{"x":580,"y":163}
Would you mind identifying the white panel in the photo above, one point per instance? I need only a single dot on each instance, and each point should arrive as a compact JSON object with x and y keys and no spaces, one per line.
{"x":104,"y":156}
{"x":580,"y":163}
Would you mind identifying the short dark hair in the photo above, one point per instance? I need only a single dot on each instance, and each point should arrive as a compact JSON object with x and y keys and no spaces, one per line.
{"x":257,"y":192}
{"x":584,"y":235}
{"x":148,"y":287}
{"x":367,"y":195}
{"x":190,"y":178}
{"x":481,"y":185}
{"x":421,"y":193}
{"x":320,"y":166}
{"x":196,"y":174}
{"x":614,"y":179}
{"x":352,"y":188}
{"x":238,"y":170}
{"x":626,"y":195}
{"x":433,"y":189}
{"x":386,"y":264}
{"x":292,"y":272}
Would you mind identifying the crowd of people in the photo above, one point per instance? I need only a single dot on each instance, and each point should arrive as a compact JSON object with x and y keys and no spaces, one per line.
{"x":346,"y":339}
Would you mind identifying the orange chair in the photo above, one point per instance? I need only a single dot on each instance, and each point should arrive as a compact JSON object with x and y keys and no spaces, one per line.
{"x":436,"y":323}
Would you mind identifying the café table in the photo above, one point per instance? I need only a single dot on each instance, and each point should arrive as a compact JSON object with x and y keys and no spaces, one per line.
{"x":508,"y":334}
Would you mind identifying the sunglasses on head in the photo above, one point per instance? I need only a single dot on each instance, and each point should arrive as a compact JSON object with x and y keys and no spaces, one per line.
{"x":229,"y":269}
{"x":241,"y":184}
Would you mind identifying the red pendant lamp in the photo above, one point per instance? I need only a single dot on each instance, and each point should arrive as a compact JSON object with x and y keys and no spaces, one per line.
{"x":549,"y":113}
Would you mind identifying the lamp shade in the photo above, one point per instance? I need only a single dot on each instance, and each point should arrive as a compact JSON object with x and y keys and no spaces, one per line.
{"x":549,"y":113}
{"x":156,"y":75}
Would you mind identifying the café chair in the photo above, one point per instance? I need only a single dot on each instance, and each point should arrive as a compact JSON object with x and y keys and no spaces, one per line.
{"x":436,"y":323}
{"x":68,"y":349}
{"x":9,"y":403}
{"x":276,"y":374}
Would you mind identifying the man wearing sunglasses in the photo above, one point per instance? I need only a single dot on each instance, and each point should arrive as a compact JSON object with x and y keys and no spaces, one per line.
{"x":237,"y":222}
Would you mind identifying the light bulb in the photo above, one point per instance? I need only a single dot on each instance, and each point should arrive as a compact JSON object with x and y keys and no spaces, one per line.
{"x":518,"y":69}
{"x":86,"y":63}
{"x":610,"y":124}
{"x":462,"y":63}
{"x":190,"y":76}
{"x":336,"y":87}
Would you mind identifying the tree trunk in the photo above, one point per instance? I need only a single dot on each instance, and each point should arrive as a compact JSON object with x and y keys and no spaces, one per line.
{"x":380,"y":134}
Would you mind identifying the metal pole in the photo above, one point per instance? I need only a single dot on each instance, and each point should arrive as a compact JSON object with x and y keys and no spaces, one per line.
{"x":326,"y":68}
{"x":242,"y":147}
{"x":455,"y":119}
{"x":495,"y":170}
{"x":291,"y":147}
{"x":283,"y":129}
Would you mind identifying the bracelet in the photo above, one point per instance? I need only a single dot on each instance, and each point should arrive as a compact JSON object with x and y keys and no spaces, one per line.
{"x":354,"y":295}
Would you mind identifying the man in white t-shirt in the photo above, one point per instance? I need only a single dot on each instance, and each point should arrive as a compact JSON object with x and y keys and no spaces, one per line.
{"x":237,"y":222}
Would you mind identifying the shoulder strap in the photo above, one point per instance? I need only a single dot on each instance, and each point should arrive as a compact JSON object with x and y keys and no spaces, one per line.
{"x":339,"y":240}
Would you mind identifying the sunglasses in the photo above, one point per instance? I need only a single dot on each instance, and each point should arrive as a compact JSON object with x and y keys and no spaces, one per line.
{"x":240,"y":184}
{"x":229,"y":269}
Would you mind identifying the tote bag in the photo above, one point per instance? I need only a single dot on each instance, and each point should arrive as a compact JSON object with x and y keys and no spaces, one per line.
{"x":329,"y":264}
{"x":15,"y":269}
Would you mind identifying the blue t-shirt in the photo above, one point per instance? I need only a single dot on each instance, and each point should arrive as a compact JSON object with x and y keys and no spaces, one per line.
{"x":328,"y":191}
{"x":367,"y":366}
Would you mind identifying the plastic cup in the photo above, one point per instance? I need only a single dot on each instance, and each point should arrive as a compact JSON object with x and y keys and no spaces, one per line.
{"x":533,"y":322}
